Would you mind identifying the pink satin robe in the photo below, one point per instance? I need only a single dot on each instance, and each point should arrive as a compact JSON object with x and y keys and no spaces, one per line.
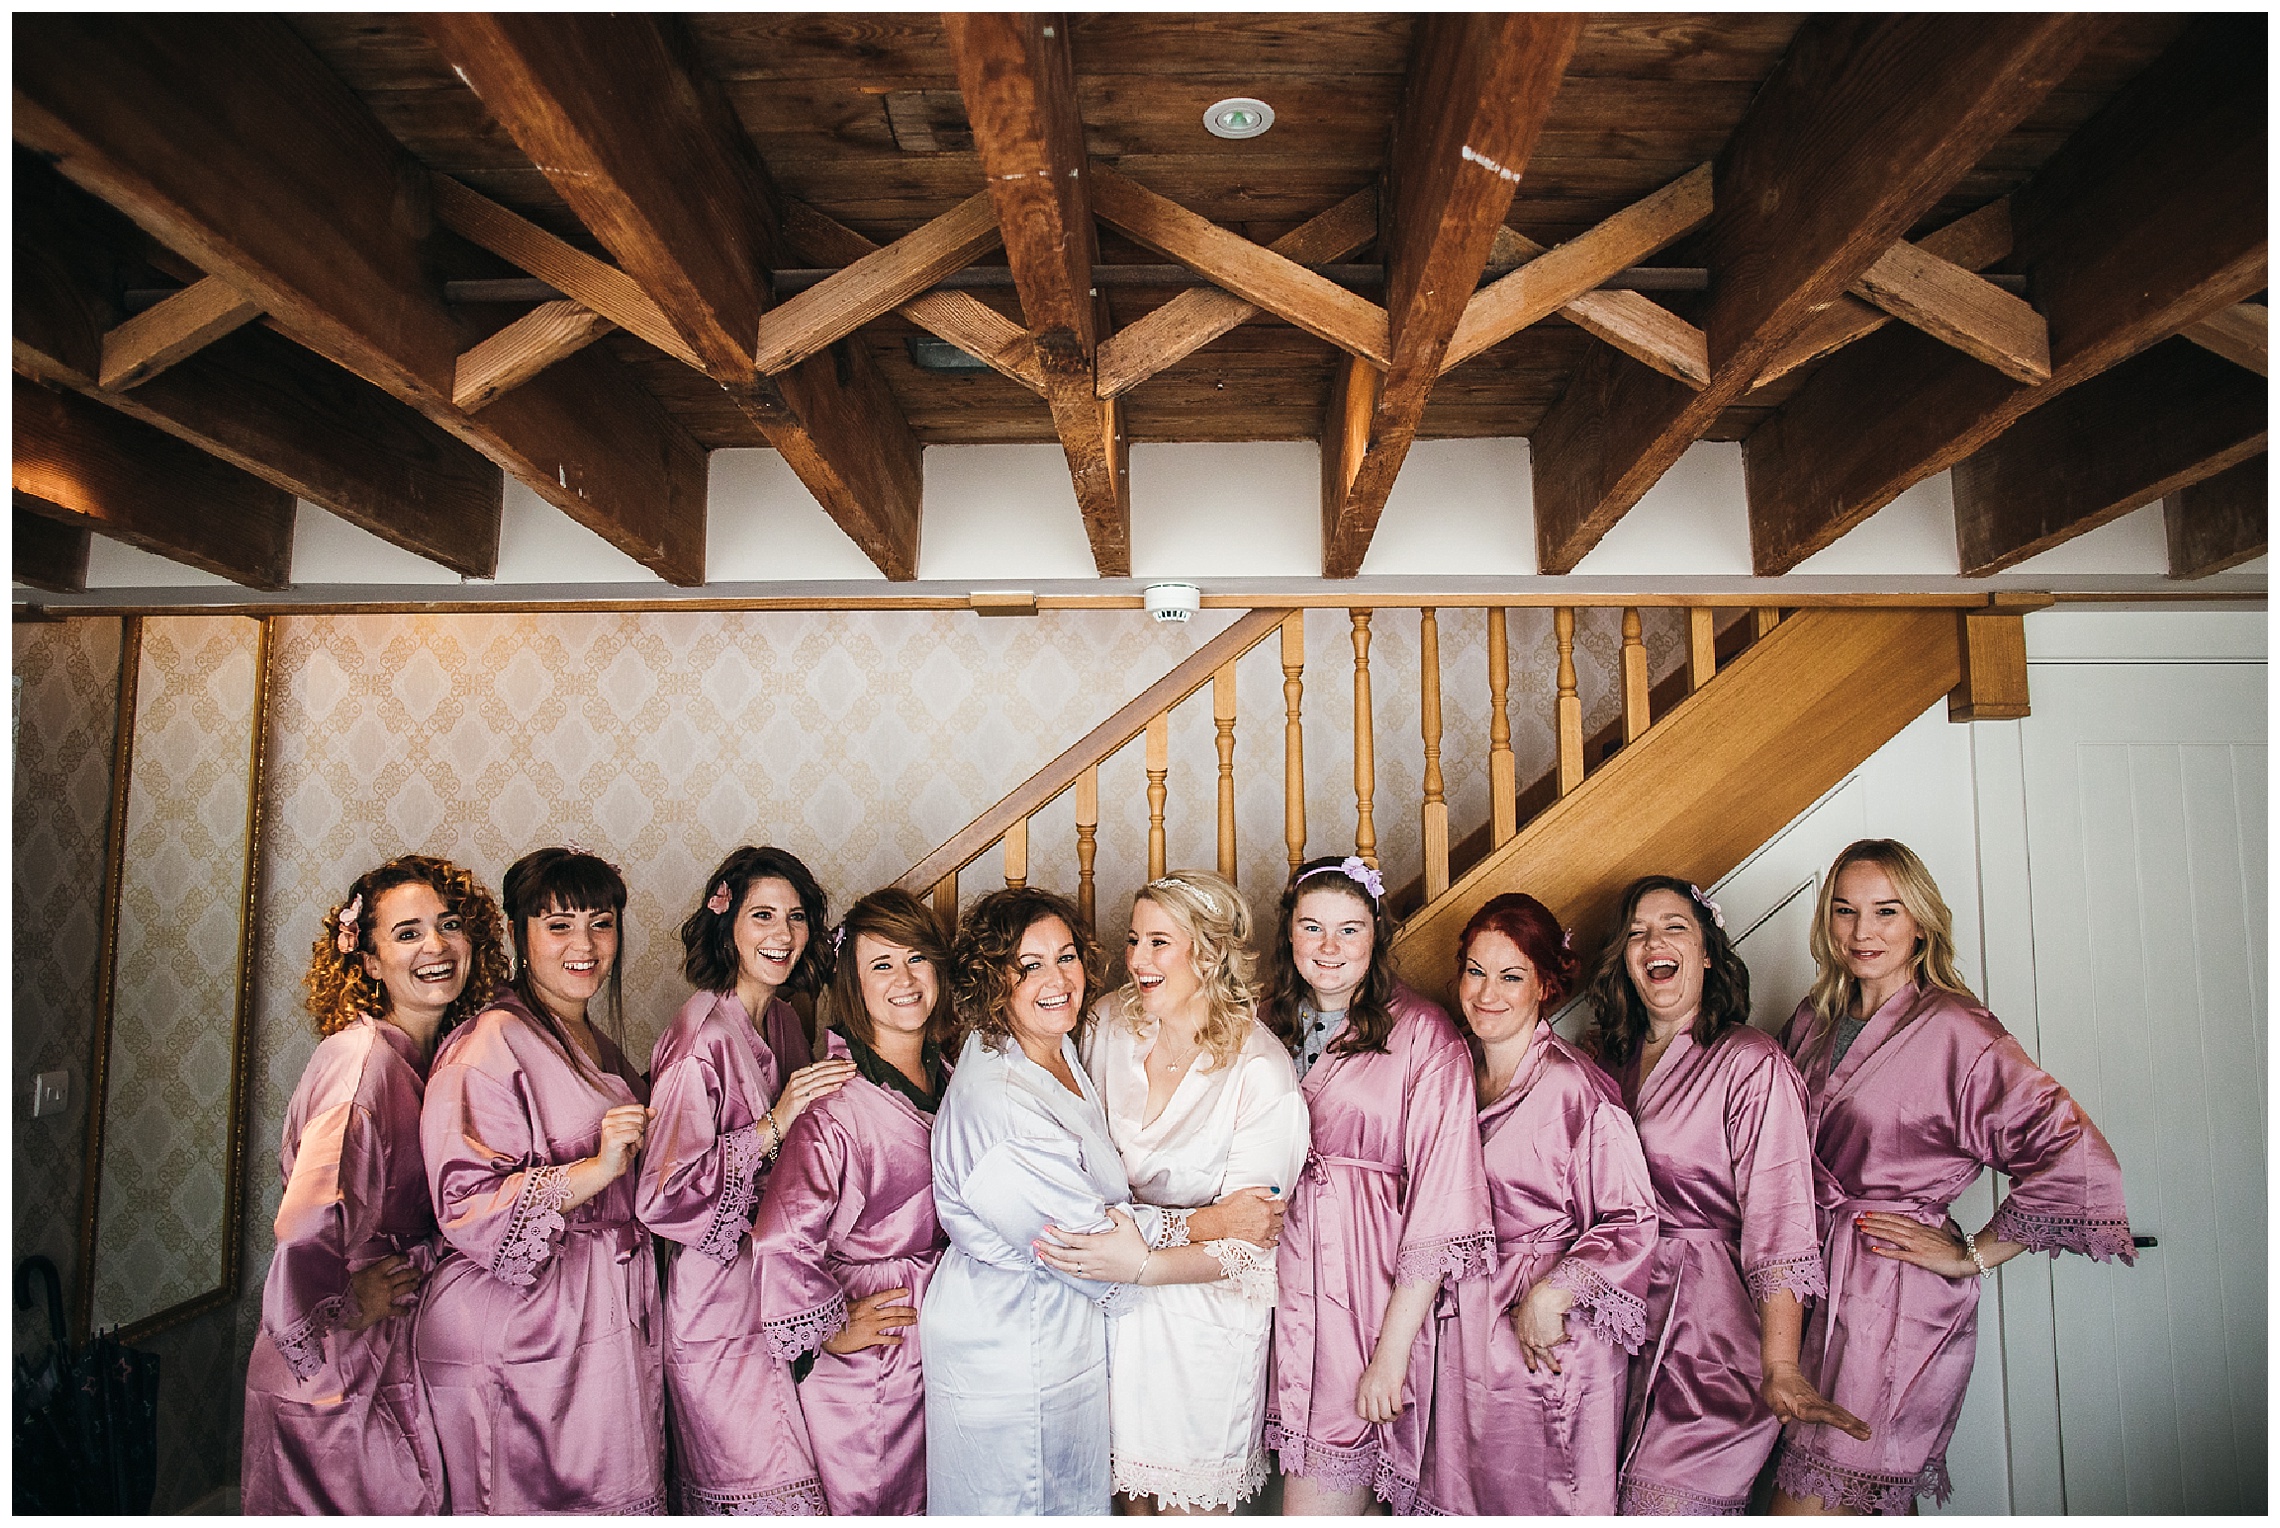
{"x":334,"y":1421}
{"x":849,"y":1212}
{"x":740,"y":1445}
{"x":1573,"y":1203}
{"x":1393,"y":1192}
{"x":1727,"y":1147}
{"x":1931,"y":1092}
{"x":540,"y":1344}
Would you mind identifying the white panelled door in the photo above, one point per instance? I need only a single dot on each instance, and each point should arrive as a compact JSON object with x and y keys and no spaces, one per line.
{"x":2145,"y":828}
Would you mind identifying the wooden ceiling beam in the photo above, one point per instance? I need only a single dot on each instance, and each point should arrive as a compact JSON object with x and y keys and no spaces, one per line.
{"x":48,"y":554}
{"x":1549,"y":281}
{"x":958,"y":317}
{"x":1864,"y":125}
{"x":621,"y":117}
{"x":1974,"y":241}
{"x":229,"y":142}
{"x":1256,"y":273}
{"x":76,"y":461}
{"x":2239,"y":333}
{"x":184,"y":324}
{"x":255,"y":399}
{"x":1020,"y":90}
{"x":550,"y":332}
{"x":1632,"y":322}
{"x":879,"y":282}
{"x":1167,"y":335}
{"x":1961,"y":309}
{"x":2148,"y":218}
{"x":1477,"y":95}
{"x":2147,"y":428}
{"x":2219,"y":522}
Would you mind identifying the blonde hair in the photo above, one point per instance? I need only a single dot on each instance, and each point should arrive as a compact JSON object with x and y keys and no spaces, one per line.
{"x":1932,"y":964}
{"x":1217,"y":923}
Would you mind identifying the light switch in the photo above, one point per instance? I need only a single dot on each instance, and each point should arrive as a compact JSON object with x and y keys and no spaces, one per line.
{"x":50,"y":1092}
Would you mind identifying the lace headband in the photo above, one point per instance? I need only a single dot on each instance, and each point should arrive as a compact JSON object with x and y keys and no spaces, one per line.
{"x":1356,"y":869}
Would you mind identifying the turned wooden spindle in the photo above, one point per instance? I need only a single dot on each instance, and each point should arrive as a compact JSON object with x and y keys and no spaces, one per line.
{"x":1570,"y":705}
{"x":1016,"y":847}
{"x":1223,"y":717}
{"x":1701,"y":647}
{"x":1503,"y":787}
{"x":1159,"y":765}
{"x":1429,"y":722}
{"x":1635,"y":688}
{"x":1088,"y":829}
{"x":1294,"y":738}
{"x":946,"y":903}
{"x":1365,"y":746}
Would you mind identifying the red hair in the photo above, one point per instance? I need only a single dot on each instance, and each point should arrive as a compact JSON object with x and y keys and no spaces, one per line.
{"x":1530,"y":925}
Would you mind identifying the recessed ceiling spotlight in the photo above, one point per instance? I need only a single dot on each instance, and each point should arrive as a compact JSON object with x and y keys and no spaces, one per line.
{"x":1238,"y":117}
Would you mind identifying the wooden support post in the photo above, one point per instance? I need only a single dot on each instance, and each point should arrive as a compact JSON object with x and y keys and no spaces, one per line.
{"x":1223,"y":718}
{"x":1294,"y":738}
{"x":1636,"y":711}
{"x":1429,"y":722}
{"x":1017,"y":854}
{"x":1088,"y":827}
{"x":1701,"y":647}
{"x":946,"y":904}
{"x":1764,"y":619}
{"x":1365,"y":746}
{"x":1994,"y":686}
{"x":1503,"y":788}
{"x":1159,"y":765}
{"x":1570,"y":715}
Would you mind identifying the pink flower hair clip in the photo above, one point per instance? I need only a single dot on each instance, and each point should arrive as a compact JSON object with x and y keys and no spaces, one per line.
{"x":1708,"y":906}
{"x":718,"y":902}
{"x":838,"y":935}
{"x":344,"y":939}
{"x":1356,"y":869}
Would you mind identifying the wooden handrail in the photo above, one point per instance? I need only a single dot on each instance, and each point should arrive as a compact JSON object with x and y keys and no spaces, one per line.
{"x":1032,"y":794}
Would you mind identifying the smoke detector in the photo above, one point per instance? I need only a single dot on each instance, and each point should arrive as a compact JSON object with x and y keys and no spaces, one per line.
{"x":1238,"y":117}
{"x":1173,"y":602}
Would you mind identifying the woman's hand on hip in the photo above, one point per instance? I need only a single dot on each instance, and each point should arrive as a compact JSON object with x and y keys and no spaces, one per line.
{"x":873,"y":1321}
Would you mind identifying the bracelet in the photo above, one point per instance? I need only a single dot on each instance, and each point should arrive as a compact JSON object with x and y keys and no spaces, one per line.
{"x":1144,"y":1262}
{"x":1971,"y":1245}
{"x":775,"y":1137}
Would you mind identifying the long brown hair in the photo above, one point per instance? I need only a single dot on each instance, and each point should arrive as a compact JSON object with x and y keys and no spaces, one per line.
{"x":1933,"y":964}
{"x":566,"y":880}
{"x":899,"y":918}
{"x":1369,"y":1017}
{"x":340,"y":989}
{"x":1622,"y":1024}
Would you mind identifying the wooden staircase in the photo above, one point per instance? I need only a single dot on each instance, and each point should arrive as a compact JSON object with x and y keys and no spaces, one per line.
{"x":1769,"y":712}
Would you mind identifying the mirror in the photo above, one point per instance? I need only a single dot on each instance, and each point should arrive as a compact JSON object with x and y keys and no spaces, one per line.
{"x":165,"y":1148}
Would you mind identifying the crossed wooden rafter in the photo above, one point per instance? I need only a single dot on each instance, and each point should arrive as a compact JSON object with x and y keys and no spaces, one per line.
{"x":694,"y":229}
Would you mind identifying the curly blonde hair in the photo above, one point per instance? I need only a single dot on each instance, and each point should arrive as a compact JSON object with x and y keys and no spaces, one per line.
{"x":339,"y":989}
{"x":1218,"y":926}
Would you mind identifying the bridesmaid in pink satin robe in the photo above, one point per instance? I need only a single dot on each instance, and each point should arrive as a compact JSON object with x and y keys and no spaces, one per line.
{"x":1721,"y":1115}
{"x":1393,"y":1200}
{"x":335,"y":1422}
{"x":1529,"y":1378}
{"x":730,"y":1076}
{"x":539,"y":1345}
{"x":847,"y":1238}
{"x":1914,"y":1090}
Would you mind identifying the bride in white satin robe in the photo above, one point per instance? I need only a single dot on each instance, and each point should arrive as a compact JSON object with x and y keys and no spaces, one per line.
{"x":1202,"y":1101}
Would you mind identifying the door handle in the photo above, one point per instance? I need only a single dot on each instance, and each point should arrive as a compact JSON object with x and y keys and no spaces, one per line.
{"x":2145,"y":1241}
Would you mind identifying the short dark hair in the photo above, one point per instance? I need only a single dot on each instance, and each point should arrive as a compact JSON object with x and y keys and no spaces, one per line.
{"x":1622,"y":1024}
{"x":986,"y":958}
{"x":897,"y":917}
{"x":1369,"y":1018}
{"x":708,"y":939}
{"x":565,"y":880}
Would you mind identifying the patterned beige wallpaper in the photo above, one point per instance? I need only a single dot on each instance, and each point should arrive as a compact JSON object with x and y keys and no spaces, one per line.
{"x":158,"y":1237}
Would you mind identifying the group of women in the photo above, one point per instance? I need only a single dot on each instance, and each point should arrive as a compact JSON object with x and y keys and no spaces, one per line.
{"x":1014,"y":1243}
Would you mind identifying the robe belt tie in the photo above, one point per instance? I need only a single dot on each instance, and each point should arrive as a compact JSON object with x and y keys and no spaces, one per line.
{"x":1318,"y":1166}
{"x":1843,"y":1246}
{"x":1669,"y":1232}
{"x":1704,"y":1235}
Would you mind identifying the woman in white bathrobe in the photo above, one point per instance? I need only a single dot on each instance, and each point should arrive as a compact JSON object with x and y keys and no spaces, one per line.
{"x":1016,"y":1351}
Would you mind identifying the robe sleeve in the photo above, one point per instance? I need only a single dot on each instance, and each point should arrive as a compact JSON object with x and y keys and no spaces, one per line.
{"x":801,"y":1304}
{"x":1773,"y":1176}
{"x":331,"y":1206}
{"x":497,"y":1200}
{"x":1269,"y":1150}
{"x":1606,"y":1268}
{"x":2066,"y":1184}
{"x":698,"y":1182}
{"x":1025,"y":1183}
{"x":1447,"y":1227}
